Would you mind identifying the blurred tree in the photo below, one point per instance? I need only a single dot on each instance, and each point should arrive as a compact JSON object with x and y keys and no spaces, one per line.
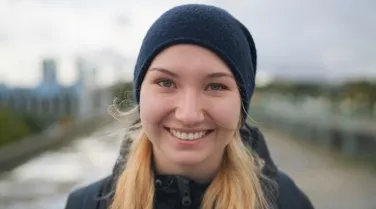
{"x":364,"y":95}
{"x":354,"y":89}
{"x":34,"y":123}
{"x":296,"y":89}
{"x":12,"y":126}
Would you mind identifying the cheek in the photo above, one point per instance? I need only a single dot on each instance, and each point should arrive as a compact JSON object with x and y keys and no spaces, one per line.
{"x":225,"y":111}
{"x":152,"y":107}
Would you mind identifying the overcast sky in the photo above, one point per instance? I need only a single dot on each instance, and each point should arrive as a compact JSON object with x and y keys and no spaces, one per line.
{"x":317,"y":39}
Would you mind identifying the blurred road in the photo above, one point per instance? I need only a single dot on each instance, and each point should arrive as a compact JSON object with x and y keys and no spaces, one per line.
{"x":329,"y":183}
{"x":45,"y":181}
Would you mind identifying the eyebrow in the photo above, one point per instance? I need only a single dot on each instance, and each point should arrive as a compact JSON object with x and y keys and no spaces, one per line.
{"x":165,"y":71}
{"x":210,"y":75}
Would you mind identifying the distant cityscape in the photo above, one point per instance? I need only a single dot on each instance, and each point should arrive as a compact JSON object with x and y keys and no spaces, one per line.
{"x":53,"y":100}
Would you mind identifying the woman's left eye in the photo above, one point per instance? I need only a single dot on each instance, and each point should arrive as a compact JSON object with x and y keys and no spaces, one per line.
{"x":216,"y":87}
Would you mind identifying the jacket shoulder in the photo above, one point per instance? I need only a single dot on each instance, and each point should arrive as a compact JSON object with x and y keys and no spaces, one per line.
{"x":290,"y":196}
{"x":89,"y":196}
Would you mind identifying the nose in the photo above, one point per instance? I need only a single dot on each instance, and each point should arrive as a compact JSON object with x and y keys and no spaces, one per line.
{"x":189,"y":110}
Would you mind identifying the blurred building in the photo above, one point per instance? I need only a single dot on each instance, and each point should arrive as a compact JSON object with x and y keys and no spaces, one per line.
{"x":50,"y":99}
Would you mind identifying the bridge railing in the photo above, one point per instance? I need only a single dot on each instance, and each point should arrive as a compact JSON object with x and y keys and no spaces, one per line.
{"x":317,"y":121}
{"x":55,"y":136}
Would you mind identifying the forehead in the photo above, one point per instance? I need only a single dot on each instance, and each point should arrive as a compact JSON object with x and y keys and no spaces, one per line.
{"x":189,"y":57}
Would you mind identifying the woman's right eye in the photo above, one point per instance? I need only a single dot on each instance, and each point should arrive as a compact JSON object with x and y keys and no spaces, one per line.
{"x":165,"y":83}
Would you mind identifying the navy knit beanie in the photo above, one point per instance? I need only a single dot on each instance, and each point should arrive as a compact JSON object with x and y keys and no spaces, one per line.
{"x":207,"y":26}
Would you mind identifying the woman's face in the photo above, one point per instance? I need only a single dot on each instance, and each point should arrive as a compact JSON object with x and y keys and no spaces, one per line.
{"x":189,"y":105}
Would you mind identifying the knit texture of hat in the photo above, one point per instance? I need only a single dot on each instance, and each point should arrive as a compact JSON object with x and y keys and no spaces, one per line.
{"x":206,"y":26}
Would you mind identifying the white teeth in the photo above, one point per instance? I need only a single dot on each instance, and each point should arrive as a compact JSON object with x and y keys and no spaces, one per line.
{"x":184,"y":136}
{"x":191,"y":136}
{"x":197,"y":135}
{"x":188,"y":136}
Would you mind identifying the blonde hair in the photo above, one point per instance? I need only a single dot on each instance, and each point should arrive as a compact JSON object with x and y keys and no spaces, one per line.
{"x":236,"y":186}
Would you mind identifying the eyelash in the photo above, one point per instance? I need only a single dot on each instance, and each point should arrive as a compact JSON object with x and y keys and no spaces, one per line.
{"x":223,"y":87}
{"x":160,"y":81}
{"x":164,"y":80}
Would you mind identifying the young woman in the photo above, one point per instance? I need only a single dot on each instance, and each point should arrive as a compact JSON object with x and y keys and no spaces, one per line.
{"x":188,"y":145}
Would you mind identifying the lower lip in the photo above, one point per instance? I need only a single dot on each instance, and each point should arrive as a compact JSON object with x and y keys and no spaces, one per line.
{"x":188,"y":142}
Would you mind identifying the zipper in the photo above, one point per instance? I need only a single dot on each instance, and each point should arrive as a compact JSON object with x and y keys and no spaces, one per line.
{"x":184,"y":191}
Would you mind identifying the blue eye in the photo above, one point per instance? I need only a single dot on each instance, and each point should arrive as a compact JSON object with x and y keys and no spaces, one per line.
{"x":165,"y":83}
{"x":216,"y":87}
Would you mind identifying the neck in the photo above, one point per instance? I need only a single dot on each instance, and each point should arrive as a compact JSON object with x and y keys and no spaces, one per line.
{"x":202,"y":173}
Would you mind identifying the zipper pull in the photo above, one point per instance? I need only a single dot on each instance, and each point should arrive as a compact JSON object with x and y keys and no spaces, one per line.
{"x":184,"y":191}
{"x":186,"y":200}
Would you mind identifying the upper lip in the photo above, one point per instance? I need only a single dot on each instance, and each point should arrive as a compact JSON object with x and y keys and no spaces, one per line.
{"x":189,"y":130}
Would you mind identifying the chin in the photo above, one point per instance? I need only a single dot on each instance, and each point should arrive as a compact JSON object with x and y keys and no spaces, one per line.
{"x":190,"y":158}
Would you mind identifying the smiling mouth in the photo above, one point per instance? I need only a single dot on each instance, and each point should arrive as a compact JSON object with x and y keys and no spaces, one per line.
{"x":188,"y":136}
